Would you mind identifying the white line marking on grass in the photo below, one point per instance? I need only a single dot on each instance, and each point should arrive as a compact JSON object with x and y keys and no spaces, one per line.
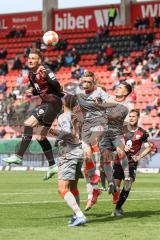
{"x":59,"y":201}
{"x":145,"y":191}
{"x":25,"y":193}
{"x":50,"y":192}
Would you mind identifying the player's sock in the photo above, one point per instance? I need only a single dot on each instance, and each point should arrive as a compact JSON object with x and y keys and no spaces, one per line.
{"x":97,"y":158}
{"x":89,"y":189}
{"x":97,"y":172}
{"x":122,"y":198}
{"x":75,"y":193}
{"x":71,"y":202}
{"x":103,"y":180}
{"x":47,"y":149}
{"x":26,"y":140}
{"x":125,"y":166}
{"x":108,"y":171}
{"x":90,"y":168}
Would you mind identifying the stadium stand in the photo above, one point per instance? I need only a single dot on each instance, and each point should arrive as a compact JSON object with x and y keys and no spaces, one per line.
{"x":130,"y":46}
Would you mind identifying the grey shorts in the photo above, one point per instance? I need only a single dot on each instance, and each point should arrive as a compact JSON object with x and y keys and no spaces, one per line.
{"x":70,"y":163}
{"x":70,"y":170}
{"x":92,"y":129}
{"x":109,"y":142}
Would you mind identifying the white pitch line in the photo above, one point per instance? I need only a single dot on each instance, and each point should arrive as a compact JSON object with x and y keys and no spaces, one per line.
{"x":42,"y":193}
{"x":45,"y":202}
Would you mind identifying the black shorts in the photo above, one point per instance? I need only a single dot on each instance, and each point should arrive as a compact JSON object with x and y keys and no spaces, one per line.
{"x":47,"y":112}
{"x":118,"y":172}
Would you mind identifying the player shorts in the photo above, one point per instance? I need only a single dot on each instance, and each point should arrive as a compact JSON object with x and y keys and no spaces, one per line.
{"x":70,"y":170}
{"x":118,"y":172}
{"x":70,"y":163}
{"x":93,"y":128}
{"x":110,"y":142}
{"x":47,"y":112}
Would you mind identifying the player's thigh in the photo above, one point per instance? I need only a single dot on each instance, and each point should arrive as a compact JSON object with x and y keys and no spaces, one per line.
{"x":96,"y":134}
{"x":117,"y":182}
{"x":31,"y":121}
{"x":41,"y":132}
{"x":107,"y":155}
{"x":87,"y":151}
{"x":118,"y":143}
{"x":73,"y":184}
{"x":63,"y":185}
{"x":46,"y":113}
{"x":105,"y":143}
{"x":79,"y":173}
{"x":118,"y":172}
{"x":132,"y":172}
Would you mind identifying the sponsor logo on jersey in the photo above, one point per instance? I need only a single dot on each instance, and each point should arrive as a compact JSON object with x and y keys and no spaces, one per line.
{"x":41,"y":111}
{"x":138,"y":137}
{"x":51,"y":75}
{"x":129,"y":143}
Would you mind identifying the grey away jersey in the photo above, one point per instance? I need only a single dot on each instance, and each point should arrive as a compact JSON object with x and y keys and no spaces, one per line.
{"x":70,"y":146}
{"x":116,"y":117}
{"x":86,"y":102}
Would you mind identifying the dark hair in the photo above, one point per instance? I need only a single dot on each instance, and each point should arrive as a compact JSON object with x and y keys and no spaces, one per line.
{"x":70,"y":101}
{"x":136,"y":111}
{"x":37,"y":52}
{"x":127,"y":86}
{"x":89,"y":74}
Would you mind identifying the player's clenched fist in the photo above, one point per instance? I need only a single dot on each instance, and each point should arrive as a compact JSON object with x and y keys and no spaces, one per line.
{"x":41,"y":71}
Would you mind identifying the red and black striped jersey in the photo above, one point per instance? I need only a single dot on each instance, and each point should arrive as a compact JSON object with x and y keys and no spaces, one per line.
{"x":135,"y":139}
{"x":48,"y":87}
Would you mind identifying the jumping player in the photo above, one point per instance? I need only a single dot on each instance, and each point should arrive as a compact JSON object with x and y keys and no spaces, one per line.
{"x":113,"y":135}
{"x":44,"y":84}
{"x":94,"y":121}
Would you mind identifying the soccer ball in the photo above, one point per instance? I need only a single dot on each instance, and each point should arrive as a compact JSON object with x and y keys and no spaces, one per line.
{"x":50,"y":38}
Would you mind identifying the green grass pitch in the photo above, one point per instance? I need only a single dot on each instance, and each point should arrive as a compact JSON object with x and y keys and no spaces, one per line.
{"x":31,"y":209}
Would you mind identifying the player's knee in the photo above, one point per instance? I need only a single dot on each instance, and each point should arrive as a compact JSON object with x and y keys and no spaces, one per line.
{"x":93,"y":141}
{"x":62,"y":192}
{"x":88,"y":159}
{"x":87,"y":155}
{"x":95,"y":148}
{"x":74,"y":191}
{"x":40,"y":138}
{"x":121,"y":154}
{"x":27,"y":124}
{"x":106,"y":155}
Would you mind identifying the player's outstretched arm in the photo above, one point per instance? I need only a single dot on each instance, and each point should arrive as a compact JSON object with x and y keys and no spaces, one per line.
{"x":147,"y":150}
{"x":105,"y":105}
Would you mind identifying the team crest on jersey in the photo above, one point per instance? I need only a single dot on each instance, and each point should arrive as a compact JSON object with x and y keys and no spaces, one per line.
{"x":41,"y":111}
{"x":138,"y":137}
{"x":129,"y":143}
{"x":51,"y":75}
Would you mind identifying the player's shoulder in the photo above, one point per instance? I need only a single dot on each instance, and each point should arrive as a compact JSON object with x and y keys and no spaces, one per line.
{"x":49,"y":72}
{"x":142,"y":130}
{"x":100,"y":89}
{"x":79,"y":90}
{"x":64,"y":116}
{"x":144,"y":133}
{"x":46,"y":67}
{"x":101,"y":92}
